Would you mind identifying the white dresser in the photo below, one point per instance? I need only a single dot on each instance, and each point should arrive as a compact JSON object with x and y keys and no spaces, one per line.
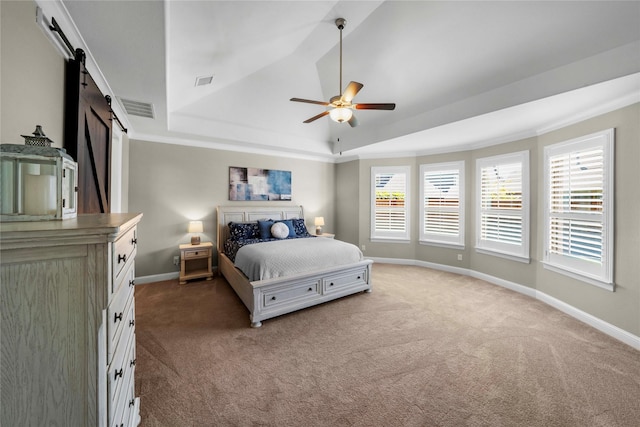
{"x":67,"y":316}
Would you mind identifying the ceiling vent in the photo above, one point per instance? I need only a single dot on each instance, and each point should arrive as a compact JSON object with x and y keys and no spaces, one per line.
{"x":203,"y":80}
{"x":137,"y":108}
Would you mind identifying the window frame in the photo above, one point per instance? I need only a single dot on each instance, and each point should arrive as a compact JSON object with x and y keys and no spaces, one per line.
{"x":439,"y":239}
{"x":572,"y":266}
{"x":496,"y":248}
{"x":385,"y":235}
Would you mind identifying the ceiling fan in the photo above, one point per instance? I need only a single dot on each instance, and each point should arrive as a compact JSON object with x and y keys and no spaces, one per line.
{"x":340,"y":108}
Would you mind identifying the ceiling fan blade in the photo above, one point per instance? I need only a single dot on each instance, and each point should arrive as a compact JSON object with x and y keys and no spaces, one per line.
{"x":375,"y":106}
{"x":309,"y":101}
{"x":353,"y":122}
{"x":324,"y":113}
{"x":352,"y":89}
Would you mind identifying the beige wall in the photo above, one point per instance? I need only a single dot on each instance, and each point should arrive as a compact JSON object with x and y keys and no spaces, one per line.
{"x":172,"y":184}
{"x":31,"y":76}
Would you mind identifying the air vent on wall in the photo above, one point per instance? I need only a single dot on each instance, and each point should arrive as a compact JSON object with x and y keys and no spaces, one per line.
{"x":137,"y":108}
{"x":203,"y":80}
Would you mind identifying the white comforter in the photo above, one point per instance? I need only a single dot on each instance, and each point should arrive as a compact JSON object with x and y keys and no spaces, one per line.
{"x":280,"y":258}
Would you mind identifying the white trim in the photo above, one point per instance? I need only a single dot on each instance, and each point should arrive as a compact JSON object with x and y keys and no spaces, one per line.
{"x":589,"y":319}
{"x":601,"y":275}
{"x":157,"y":278}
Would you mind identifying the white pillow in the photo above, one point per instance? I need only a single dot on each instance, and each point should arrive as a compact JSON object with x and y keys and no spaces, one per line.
{"x":279,"y":230}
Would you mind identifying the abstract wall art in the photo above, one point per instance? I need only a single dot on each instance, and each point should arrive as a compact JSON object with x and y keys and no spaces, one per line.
{"x":259,"y":184}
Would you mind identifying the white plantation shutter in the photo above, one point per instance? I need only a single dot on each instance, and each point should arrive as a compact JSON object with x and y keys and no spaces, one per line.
{"x":442,"y":205}
{"x":503,"y":205}
{"x":390,"y":203}
{"x":578,"y":194}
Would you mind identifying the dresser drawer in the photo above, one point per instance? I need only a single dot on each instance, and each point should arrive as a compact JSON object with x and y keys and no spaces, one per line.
{"x":124,"y":251}
{"x":119,"y":317}
{"x":124,"y":403}
{"x":197,"y":253}
{"x":274,"y":297}
{"x":120,"y":380}
{"x":125,"y":278}
{"x":344,"y":280}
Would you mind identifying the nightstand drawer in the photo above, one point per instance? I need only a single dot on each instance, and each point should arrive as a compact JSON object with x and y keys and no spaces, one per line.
{"x":197,"y":253}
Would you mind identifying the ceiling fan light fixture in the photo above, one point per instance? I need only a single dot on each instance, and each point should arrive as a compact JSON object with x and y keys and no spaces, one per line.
{"x":340,"y":114}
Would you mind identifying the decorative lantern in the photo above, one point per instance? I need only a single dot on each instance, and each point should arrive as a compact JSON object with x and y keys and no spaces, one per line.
{"x":37,"y":183}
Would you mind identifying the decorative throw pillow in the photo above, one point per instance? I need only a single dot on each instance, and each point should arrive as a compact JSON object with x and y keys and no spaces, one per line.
{"x":265,"y":228}
{"x":299,"y":227}
{"x":289,"y":224}
{"x":242,"y":230}
{"x":279,"y":230}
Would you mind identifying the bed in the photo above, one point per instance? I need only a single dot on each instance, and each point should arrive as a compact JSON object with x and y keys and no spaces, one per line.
{"x":274,"y":294}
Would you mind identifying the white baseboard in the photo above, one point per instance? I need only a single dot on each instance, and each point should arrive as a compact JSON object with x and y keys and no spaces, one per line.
{"x":605,"y":327}
{"x":157,"y":278}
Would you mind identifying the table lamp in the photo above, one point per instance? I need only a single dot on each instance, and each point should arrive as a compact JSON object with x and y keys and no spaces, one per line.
{"x":195,"y":227}
{"x":319,"y":222}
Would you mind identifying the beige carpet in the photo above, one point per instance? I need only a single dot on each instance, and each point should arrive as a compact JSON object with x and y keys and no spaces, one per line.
{"x":425,"y":348}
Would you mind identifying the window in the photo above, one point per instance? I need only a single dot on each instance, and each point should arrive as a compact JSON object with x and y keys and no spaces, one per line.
{"x":442,"y":204}
{"x":390,"y":203}
{"x":578,"y":185}
{"x":502,"y":215}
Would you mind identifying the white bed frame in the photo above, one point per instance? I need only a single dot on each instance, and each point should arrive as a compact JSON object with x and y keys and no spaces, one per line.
{"x":273,"y":297}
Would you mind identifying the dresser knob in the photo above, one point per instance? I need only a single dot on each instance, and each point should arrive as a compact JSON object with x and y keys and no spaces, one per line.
{"x":132,"y":402}
{"x":134,"y":241}
{"x":122,"y":258}
{"x":273,"y":298}
{"x":309,"y":290}
{"x":132,"y":282}
{"x":117,"y":316}
{"x":118,"y":374}
{"x":132,"y":363}
{"x":132,"y":323}
{"x":331,"y":284}
{"x":358,"y":277}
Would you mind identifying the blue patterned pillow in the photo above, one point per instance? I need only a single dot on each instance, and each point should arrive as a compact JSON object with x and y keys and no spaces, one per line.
{"x":243,"y":230}
{"x":300,"y":228}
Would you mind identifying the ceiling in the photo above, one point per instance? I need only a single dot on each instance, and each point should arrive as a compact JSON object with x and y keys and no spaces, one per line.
{"x":462,"y":74}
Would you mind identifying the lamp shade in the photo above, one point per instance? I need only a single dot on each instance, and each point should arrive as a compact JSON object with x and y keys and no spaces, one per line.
{"x":195,"y":227}
{"x":340,"y":114}
{"x":319,"y":220}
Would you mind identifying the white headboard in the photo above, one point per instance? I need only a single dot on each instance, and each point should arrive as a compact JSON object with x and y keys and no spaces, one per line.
{"x":226,"y":214}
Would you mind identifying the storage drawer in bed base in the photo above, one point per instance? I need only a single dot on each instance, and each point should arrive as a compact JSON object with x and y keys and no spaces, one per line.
{"x":274,"y":299}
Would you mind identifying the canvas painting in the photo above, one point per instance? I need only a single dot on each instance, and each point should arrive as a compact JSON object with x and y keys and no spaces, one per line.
{"x":259,"y":184}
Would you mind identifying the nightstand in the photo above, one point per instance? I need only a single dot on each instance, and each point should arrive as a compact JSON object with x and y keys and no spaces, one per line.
{"x":326,"y":235}
{"x":195,"y":261}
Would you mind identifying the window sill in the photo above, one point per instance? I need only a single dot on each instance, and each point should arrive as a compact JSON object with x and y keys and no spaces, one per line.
{"x":512,"y":257}
{"x":442,"y":244}
{"x":389,"y":240}
{"x":586,"y":279}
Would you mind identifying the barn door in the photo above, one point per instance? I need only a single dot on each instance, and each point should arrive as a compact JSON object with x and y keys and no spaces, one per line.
{"x":88,"y":136}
